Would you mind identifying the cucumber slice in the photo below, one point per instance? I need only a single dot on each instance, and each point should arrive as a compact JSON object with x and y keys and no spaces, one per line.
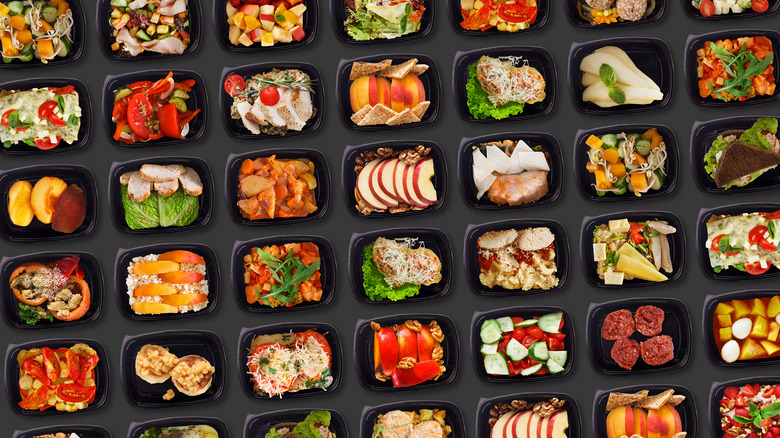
{"x":643,"y":147}
{"x":505,"y":323}
{"x":181,"y":94}
{"x":551,"y":322}
{"x":515,"y":350}
{"x":495,"y":364}
{"x":538,"y":351}
{"x":558,"y":357}
{"x":121,"y":93}
{"x":610,"y":140}
{"x":64,"y":47}
{"x":49,"y":13}
{"x":532,"y":369}
{"x":16,"y":7}
{"x":491,"y":332}
{"x":527,"y":323}
{"x":553,"y":367}
{"x":141,"y":35}
{"x":488,"y":349}
{"x":181,"y":105}
{"x":119,"y":3}
{"x":659,"y":180}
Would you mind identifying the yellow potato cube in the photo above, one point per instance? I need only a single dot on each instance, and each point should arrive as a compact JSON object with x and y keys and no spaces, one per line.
{"x":770,"y":347}
{"x":774,"y":307}
{"x":741,"y":308}
{"x":760,"y":328}
{"x":758,"y":307}
{"x":774,"y":330}
{"x":751,"y":350}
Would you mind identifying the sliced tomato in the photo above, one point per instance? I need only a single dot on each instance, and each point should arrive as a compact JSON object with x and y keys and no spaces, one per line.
{"x":514,"y":13}
{"x":72,"y":393}
{"x":87,"y":365}
{"x":477,"y":19}
{"x":234,"y":84}
{"x":36,"y":399}
{"x":300,"y":338}
{"x":759,"y":5}
{"x":6,"y":116}
{"x":558,"y":336}
{"x":554,"y":344}
{"x":74,"y":365}
{"x":169,"y":120}
{"x":528,"y":340}
{"x":51,"y":364}
{"x":140,"y":85}
{"x":757,"y":234}
{"x":56,"y":120}
{"x":46,"y":108}
{"x":139,"y":113}
{"x":707,"y":8}
{"x":535,"y":331}
{"x":774,"y":214}
{"x":756,"y":269}
{"x":36,"y":370}
{"x":519,"y":334}
{"x":64,"y":90}
{"x":715,"y":245}
{"x":45,"y":144}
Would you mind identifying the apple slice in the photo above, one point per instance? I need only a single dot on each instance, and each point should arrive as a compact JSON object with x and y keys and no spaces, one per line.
{"x":387,"y":342}
{"x":498,"y":429}
{"x":376,"y":190}
{"x":398,"y":182}
{"x":521,"y":425}
{"x":387,"y":177}
{"x":425,"y":343}
{"x":363,"y":186}
{"x":557,"y":426}
{"x":408,"y":178}
{"x":407,"y":342}
{"x":535,"y":426}
{"x":423,"y":181}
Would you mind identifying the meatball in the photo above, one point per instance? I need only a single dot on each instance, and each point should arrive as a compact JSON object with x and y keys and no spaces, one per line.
{"x":631,"y":10}
{"x":657,"y":350}
{"x":625,"y":352}
{"x":618,"y":324}
{"x":600,"y":4}
{"x":649,"y":320}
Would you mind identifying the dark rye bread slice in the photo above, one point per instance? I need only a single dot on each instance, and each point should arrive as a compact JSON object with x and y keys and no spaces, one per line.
{"x":740,"y":159}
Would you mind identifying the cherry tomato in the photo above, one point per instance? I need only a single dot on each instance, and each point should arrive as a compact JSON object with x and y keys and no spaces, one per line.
{"x":56,"y":120}
{"x":715,"y":245}
{"x":168,"y":116}
{"x":45,"y":144}
{"x":528,"y":340}
{"x":707,"y":8}
{"x":535,"y":331}
{"x":516,"y":320}
{"x":477,"y":19}
{"x":558,"y":336}
{"x":46,"y":108}
{"x":64,"y":90}
{"x":756,"y":269}
{"x":36,"y":399}
{"x":553,"y":344}
{"x":756,"y":235}
{"x":269,"y":96}
{"x":72,"y":393}
{"x":519,"y":333}
{"x":6,"y":116}
{"x":516,"y":14}
{"x":234,"y":84}
{"x":759,"y":5}
{"x":139,"y":112}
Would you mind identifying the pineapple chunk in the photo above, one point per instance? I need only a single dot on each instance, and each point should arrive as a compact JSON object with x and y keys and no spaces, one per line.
{"x":774,"y":330}
{"x":630,"y":251}
{"x":724,"y":334}
{"x":770,"y":347}
{"x":298,"y":9}
{"x":637,"y":269}
{"x":724,"y":320}
{"x":751,"y":350}
{"x":759,"y":308}
{"x":741,"y":309}
{"x":774,"y":307}
{"x":760,"y":328}
{"x":724,"y":308}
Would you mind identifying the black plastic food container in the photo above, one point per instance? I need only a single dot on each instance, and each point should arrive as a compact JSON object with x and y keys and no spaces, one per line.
{"x":38,"y":231}
{"x":221,"y":28}
{"x":363,"y":354}
{"x":676,"y":247}
{"x":235,"y":127}
{"x":586,"y":180}
{"x":471,"y":255}
{"x":686,"y":409}
{"x":573,"y":15}
{"x":650,"y":55}
{"x":702,"y":136}
{"x":321,"y":193}
{"x":525,"y":312}
{"x":708,"y":327}
{"x":327,"y":269}
{"x":125,"y":256}
{"x":83,"y":431}
{"x":677,"y":325}
{"x":85,"y":129}
{"x":702,"y":250}
{"x":76,"y":50}
{"x":456,"y":17}
{"x":431,"y":238}
{"x":716,"y":394}
{"x":430,"y":80}
{"x":205,"y":200}
{"x":694,"y":13}
{"x":137,"y":429}
{"x":12,"y":374}
{"x":92,"y":275}
{"x":537,"y":57}
{"x":198,"y":100}
{"x":325,"y":329}
{"x":104,"y":28}
{"x":338,"y":15}
{"x":453,"y":418}
{"x":142,"y":394}
{"x":468,"y":189}
{"x":483,"y":428}
{"x":259,"y":425}
{"x":349,"y":176}
{"x":696,"y":42}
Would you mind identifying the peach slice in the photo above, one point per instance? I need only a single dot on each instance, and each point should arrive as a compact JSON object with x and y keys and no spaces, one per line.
{"x":153,"y":290}
{"x":19,"y":207}
{"x":397,"y":95}
{"x":184,"y":299}
{"x":407,"y":342}
{"x":640,"y":422}
{"x":154,"y":308}
{"x":44,"y":197}
{"x":181,"y":277}
{"x":383,"y":91}
{"x":155,"y":268}
{"x":182,"y":256}
{"x":362,"y":92}
{"x":70,"y":210}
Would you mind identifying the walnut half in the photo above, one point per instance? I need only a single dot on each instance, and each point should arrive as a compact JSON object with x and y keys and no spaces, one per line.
{"x":406,"y":363}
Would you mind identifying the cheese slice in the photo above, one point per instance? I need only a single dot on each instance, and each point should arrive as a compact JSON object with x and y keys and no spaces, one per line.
{"x":629,"y":251}
{"x":638,"y":269}
{"x":391,"y":13}
{"x":599,"y":252}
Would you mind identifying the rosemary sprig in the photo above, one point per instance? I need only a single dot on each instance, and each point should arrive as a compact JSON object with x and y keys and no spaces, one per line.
{"x":287,"y":83}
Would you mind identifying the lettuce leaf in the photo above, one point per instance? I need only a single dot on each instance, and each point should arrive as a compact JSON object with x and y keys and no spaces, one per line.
{"x":177,"y":210}
{"x":480,"y":106}
{"x":375,"y":285}
{"x":307,"y":428}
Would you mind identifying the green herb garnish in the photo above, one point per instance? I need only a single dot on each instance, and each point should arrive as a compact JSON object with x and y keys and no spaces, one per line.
{"x":288,"y":274}
{"x":609,"y":78}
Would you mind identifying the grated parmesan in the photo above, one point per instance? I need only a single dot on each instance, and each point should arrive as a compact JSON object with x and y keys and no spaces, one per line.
{"x":402,"y":265}
{"x":505,"y":83}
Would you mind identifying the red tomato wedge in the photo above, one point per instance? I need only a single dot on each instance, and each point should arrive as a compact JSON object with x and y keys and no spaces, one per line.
{"x":139,"y":113}
{"x":169,"y":120}
{"x":72,"y":393}
{"x":477,"y":19}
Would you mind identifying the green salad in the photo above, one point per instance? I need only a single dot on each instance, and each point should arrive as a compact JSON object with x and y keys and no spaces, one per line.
{"x":308,"y":428}
{"x":382,"y":19}
{"x":479,"y":103}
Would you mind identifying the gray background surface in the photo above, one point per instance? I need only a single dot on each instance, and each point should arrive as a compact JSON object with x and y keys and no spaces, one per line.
{"x":338,"y":225}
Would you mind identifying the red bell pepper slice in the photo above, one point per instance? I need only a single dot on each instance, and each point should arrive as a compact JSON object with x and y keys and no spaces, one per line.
{"x":36,"y":370}
{"x":51,"y":364}
{"x":64,"y":268}
{"x":419,"y":373}
{"x":74,"y":365}
{"x":87,"y":365}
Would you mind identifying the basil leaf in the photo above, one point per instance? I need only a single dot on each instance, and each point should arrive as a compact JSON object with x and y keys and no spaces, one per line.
{"x":607,"y":75}
{"x":717,"y":269}
{"x":742,"y":420}
{"x":405,"y":18}
{"x":13,"y":119}
{"x":73,"y":120}
{"x":61,"y":104}
{"x":617,"y":95}
{"x":739,"y":267}
{"x":771,"y":226}
{"x":29,"y":142}
{"x":757,"y":421}
{"x":723,"y":244}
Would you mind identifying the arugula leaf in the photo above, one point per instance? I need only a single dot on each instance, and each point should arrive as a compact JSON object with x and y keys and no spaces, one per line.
{"x":741,"y":68}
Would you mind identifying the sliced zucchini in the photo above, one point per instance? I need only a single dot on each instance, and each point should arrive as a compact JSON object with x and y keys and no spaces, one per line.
{"x":551,"y":322}
{"x":559,"y":357}
{"x":538,"y":351}
{"x":527,"y":323}
{"x":490,"y":332}
{"x":532,"y":369}
{"x":515,"y":350}
{"x":505,"y":323}
{"x":495,"y":364}
{"x":488,"y":349}
{"x":553,"y":367}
